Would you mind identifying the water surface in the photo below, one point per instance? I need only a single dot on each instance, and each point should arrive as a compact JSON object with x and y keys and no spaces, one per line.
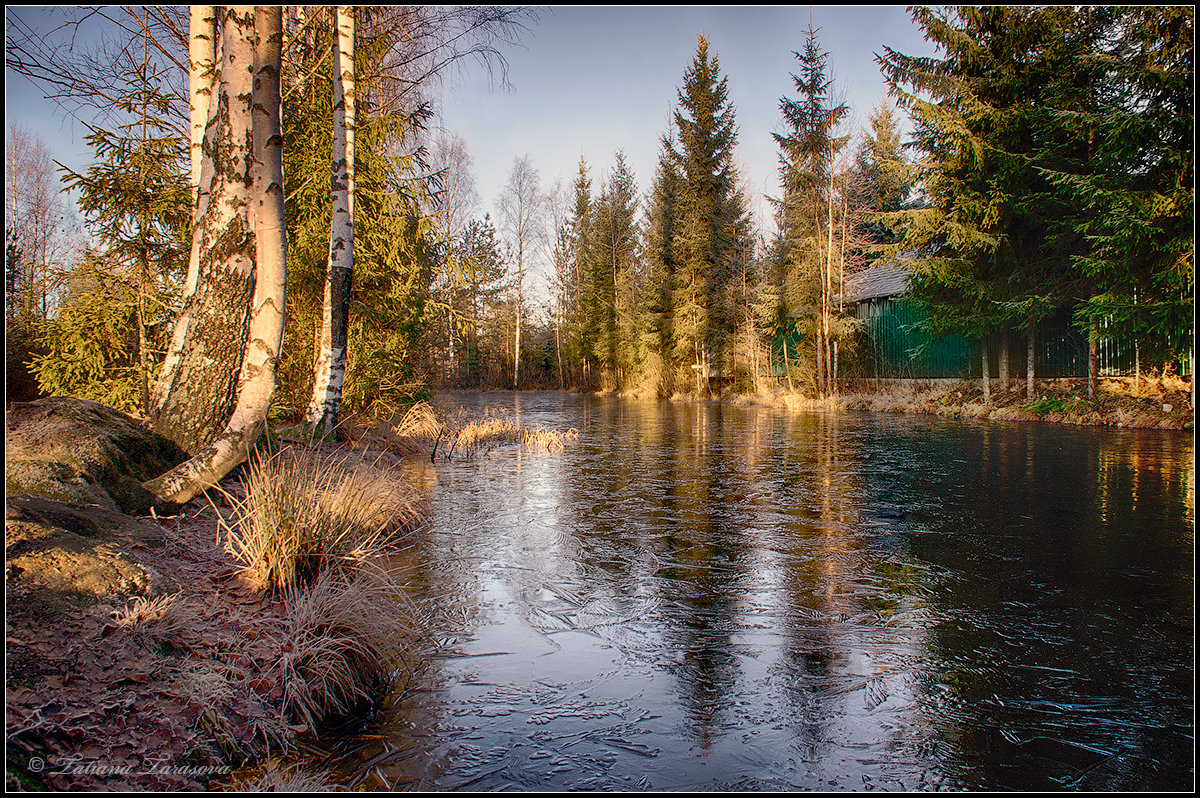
{"x":702,"y":596}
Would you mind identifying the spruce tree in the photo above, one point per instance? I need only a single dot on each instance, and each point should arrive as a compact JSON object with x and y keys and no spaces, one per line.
{"x":138,"y":205}
{"x":1007,"y":104}
{"x":805,"y":214}
{"x":609,"y":261}
{"x":1136,"y":193}
{"x":713,"y":222}
{"x":662,"y":256}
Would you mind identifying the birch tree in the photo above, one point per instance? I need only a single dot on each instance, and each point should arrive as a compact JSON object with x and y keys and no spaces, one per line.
{"x":330,"y":371}
{"x":521,"y":213}
{"x":237,"y":309}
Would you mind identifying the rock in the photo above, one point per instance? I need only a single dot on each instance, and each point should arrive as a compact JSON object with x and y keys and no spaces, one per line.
{"x":77,"y":550}
{"x":83,"y":452}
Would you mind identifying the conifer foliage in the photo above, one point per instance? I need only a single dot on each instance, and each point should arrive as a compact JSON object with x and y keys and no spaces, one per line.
{"x":711,"y":232}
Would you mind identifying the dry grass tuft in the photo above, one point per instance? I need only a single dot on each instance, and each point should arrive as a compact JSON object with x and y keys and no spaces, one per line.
{"x":343,"y":635}
{"x":303,"y":513}
{"x":474,"y":437}
{"x":166,"y":619}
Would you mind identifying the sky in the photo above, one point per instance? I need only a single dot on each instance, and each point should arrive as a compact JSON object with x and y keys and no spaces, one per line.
{"x":591,"y":80}
{"x":588,"y":81}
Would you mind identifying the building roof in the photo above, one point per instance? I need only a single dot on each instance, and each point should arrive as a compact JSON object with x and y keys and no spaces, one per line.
{"x":877,"y":282}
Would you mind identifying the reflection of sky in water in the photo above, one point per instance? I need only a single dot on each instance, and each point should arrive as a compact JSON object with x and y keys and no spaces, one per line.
{"x":715,"y":597}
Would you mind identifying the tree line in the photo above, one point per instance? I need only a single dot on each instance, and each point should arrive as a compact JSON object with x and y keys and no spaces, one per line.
{"x":1050,"y":167}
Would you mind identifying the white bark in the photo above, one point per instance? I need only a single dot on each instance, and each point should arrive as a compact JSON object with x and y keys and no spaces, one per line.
{"x":521,"y":207}
{"x":331,"y":358}
{"x":202,"y":66}
{"x":1030,"y":360}
{"x":265,"y":215}
{"x":203,"y":75}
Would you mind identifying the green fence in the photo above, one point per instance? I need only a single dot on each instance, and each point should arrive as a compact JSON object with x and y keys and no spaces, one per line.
{"x":895,"y":346}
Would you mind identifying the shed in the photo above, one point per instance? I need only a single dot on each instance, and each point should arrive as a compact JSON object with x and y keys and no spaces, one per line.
{"x":894,"y":344}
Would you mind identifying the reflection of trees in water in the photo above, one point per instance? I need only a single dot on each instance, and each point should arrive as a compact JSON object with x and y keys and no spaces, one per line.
{"x":1062,"y":643}
{"x":1028,"y":586}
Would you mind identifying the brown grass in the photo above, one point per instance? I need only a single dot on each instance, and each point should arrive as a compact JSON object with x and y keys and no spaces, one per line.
{"x":303,"y":512}
{"x":165,"y":619}
{"x":314,"y":530}
{"x":277,"y":777}
{"x":343,"y":636}
{"x":471,"y":438}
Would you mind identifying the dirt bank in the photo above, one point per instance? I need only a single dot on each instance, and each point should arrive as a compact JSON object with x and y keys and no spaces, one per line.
{"x":138,"y":657}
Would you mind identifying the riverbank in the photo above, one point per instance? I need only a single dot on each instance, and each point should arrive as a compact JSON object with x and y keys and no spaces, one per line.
{"x":172,"y":653}
{"x":149,"y":652}
{"x":1148,"y":403}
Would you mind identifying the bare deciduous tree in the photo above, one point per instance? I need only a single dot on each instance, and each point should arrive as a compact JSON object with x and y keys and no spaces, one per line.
{"x":521,"y":212}
{"x":38,"y":218}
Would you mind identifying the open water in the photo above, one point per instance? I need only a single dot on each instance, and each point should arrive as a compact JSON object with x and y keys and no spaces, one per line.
{"x":700,"y":596}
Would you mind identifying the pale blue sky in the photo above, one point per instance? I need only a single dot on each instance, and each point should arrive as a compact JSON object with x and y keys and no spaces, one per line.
{"x":591,"y":80}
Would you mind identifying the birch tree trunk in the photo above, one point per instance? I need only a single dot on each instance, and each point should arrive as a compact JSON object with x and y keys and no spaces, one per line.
{"x":1030,"y":360}
{"x":197,"y":386}
{"x":203,"y":77}
{"x":253,"y":242}
{"x":330,"y":372}
{"x":202,"y":65}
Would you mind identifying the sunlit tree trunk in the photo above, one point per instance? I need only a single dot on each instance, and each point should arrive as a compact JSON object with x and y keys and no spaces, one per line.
{"x":202,"y":75}
{"x":1093,"y":358}
{"x":250,"y":248}
{"x":330,"y":374}
{"x":197,"y":386}
{"x":202,"y":64}
{"x":1030,"y":360}
{"x":1004,"y":361}
{"x":987,"y":377}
